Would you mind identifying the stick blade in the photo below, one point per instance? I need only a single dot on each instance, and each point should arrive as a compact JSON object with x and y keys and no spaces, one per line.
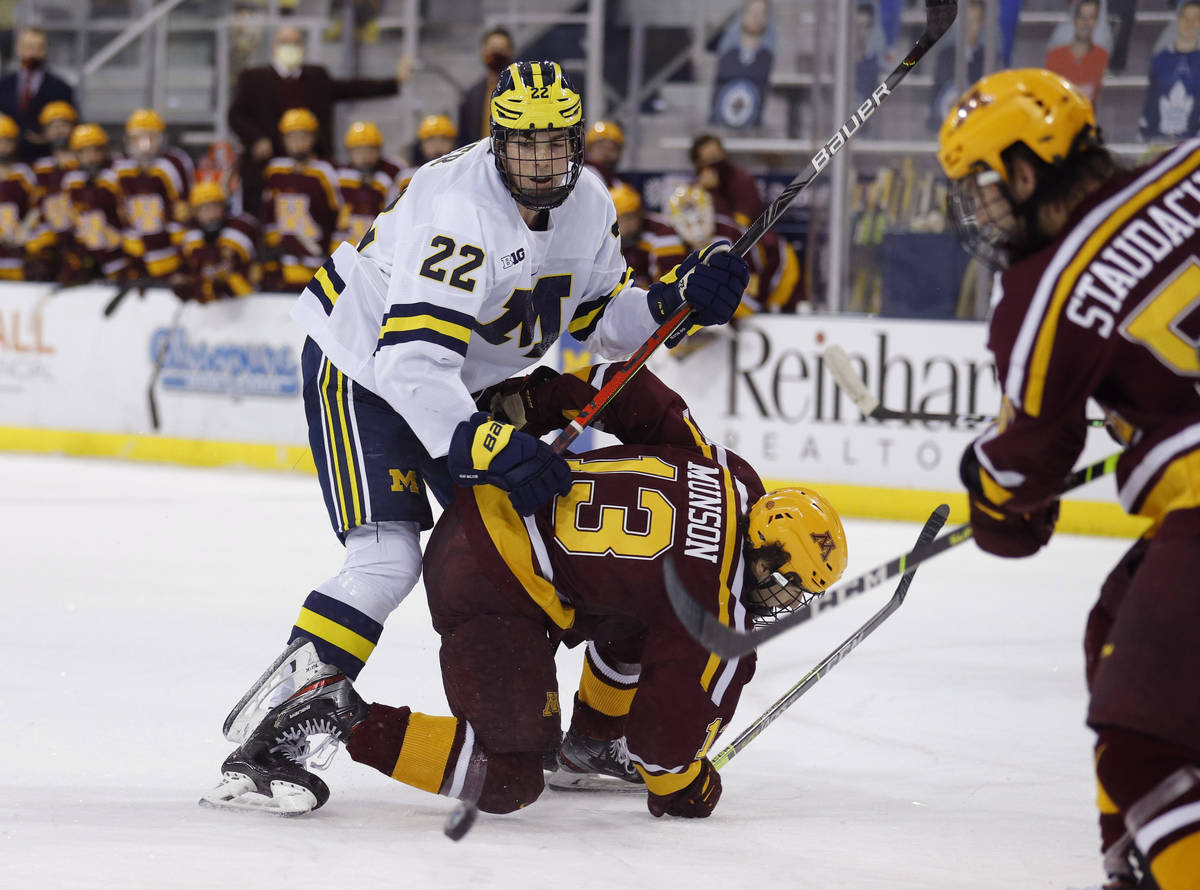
{"x":847,"y":378}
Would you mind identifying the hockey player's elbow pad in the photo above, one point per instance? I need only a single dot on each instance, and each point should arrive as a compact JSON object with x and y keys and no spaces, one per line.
{"x":487,"y":452}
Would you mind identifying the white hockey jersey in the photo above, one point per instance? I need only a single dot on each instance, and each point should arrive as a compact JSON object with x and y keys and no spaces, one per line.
{"x":450,"y":291}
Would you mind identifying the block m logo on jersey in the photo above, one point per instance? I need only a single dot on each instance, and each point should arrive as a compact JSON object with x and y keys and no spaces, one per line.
{"x":539,"y":309}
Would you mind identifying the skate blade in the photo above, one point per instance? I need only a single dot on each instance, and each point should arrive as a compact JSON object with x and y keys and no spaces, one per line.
{"x":565,"y":780}
{"x":238,"y":792}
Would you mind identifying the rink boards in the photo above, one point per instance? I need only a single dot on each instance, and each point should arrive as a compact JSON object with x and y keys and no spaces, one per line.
{"x":229,"y":393}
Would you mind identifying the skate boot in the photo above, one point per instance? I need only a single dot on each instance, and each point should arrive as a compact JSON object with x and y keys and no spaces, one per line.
{"x":587,"y":764}
{"x":269,"y":771}
{"x":298,"y":666}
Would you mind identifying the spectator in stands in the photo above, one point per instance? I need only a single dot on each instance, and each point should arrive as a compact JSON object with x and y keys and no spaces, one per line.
{"x":264,"y":93}
{"x":367,"y":182}
{"x":1172,"y":106}
{"x":51,"y":225}
{"x":153,"y":182}
{"x":1081,"y":59}
{"x":648,"y":243}
{"x":774,"y":268}
{"x":734,"y":191}
{"x":93,"y":249}
{"x":29,"y":89}
{"x":868,"y":50}
{"x":745,"y":55}
{"x":300,"y":206}
{"x":945,"y":90}
{"x":17,"y":186}
{"x":219,"y":249}
{"x":603,"y":145}
{"x":497,"y":52}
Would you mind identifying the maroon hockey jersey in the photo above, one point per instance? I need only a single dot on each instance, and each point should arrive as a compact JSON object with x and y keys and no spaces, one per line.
{"x":222,"y":264}
{"x":658,"y":249}
{"x":598,"y":552}
{"x":53,"y":223}
{"x":17,"y":190}
{"x":151,"y":196}
{"x":300,"y":209}
{"x":95,"y":243}
{"x":1109,"y":312}
{"x":363,"y":197}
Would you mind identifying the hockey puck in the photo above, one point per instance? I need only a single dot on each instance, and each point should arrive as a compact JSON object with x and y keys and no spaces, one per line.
{"x":460,"y":821}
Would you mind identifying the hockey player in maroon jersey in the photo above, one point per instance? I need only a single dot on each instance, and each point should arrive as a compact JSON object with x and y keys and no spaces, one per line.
{"x":503,"y":591}
{"x":648,"y":243}
{"x":436,"y":138}
{"x":52,"y":221}
{"x":17,"y":188}
{"x":774,"y":268}
{"x":367,"y":183}
{"x":605,"y":142}
{"x":1096,"y":298}
{"x":93,"y":248}
{"x":219,"y":250}
{"x":154,"y":184}
{"x":300,"y":206}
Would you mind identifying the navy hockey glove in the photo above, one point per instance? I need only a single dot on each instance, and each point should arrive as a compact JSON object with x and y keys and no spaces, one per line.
{"x":999,"y":531}
{"x":696,"y":801}
{"x":487,"y":452}
{"x":711,"y":281}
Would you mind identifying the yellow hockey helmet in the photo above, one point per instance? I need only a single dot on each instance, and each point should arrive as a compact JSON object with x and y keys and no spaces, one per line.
{"x":57,"y":111}
{"x":8,"y":127}
{"x":297,"y":119}
{"x":625,"y":198}
{"x":808,"y":531}
{"x":1031,"y":105}
{"x":436,"y":125}
{"x":363,"y":134}
{"x":610,"y":130}
{"x":537,"y":97}
{"x":145,"y":119}
{"x":207,"y":192}
{"x":87,"y":136}
{"x":692,"y":213}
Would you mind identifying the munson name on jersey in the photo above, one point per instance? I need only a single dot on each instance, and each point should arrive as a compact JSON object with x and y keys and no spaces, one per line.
{"x":704,"y":512}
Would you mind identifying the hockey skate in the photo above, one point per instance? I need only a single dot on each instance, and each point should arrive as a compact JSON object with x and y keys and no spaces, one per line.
{"x":269,"y":771}
{"x":587,"y":764}
{"x":298,"y":666}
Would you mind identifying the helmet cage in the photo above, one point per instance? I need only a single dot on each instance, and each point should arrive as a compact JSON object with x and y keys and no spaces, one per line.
{"x":517,"y":149}
{"x":984,"y":219}
{"x":775,"y":595}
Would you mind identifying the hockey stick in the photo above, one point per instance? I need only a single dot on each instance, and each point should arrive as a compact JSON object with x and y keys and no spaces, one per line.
{"x":939,"y":15}
{"x":864,"y":400}
{"x":728,"y":643}
{"x":140,"y":283}
{"x":928,"y":532}
{"x":159,"y":361}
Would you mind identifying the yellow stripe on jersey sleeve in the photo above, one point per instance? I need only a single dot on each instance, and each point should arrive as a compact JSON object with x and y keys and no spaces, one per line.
{"x":1035,"y":381}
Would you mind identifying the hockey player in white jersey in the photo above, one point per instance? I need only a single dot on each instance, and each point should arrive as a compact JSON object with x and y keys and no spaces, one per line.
{"x":489,"y":256}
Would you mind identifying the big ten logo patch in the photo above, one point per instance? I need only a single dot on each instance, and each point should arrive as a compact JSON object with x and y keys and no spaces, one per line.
{"x":509,"y":260}
{"x":405,"y":480}
{"x":551,"y":709}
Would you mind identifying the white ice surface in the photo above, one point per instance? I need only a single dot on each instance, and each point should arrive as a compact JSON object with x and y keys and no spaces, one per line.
{"x":948,"y":751}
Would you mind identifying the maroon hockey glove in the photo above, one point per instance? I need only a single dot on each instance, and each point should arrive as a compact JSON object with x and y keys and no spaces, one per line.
{"x":696,"y":801}
{"x":486,"y":452}
{"x":999,"y":531}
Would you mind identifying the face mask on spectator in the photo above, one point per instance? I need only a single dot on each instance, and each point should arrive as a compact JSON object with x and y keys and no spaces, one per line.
{"x":289,"y":55}
{"x":497,"y":62}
